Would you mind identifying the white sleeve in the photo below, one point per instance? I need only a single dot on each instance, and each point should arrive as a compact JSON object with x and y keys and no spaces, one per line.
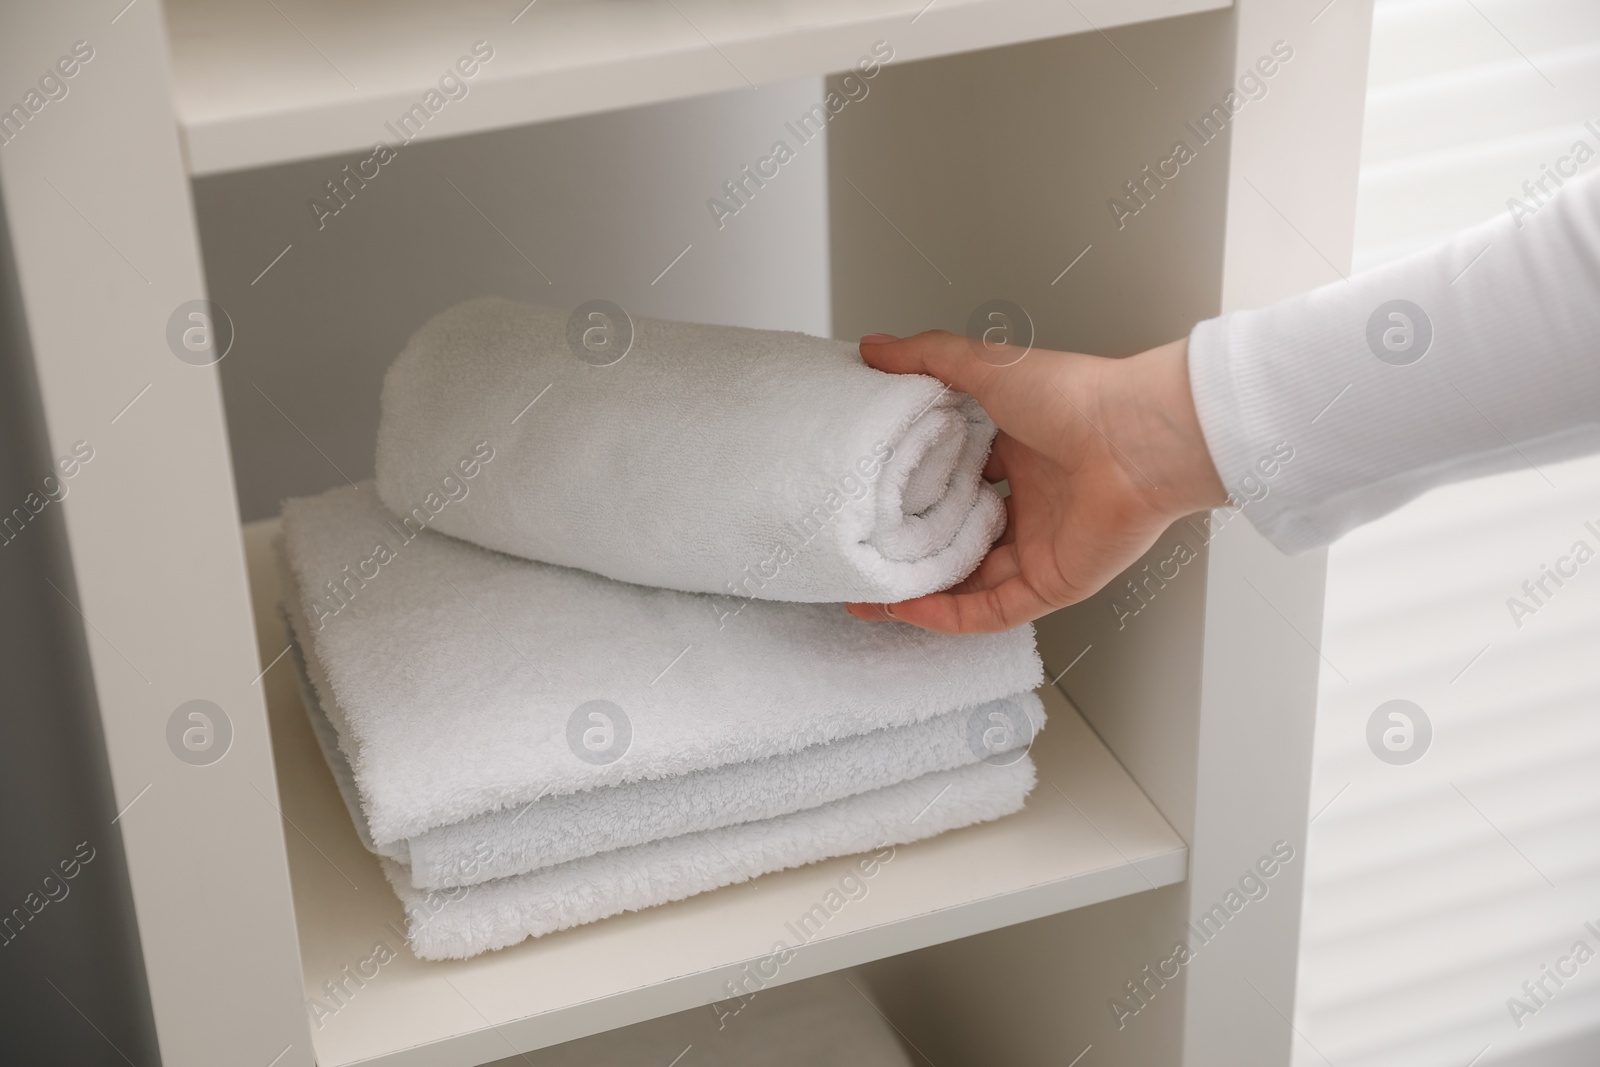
{"x":1475,"y":357}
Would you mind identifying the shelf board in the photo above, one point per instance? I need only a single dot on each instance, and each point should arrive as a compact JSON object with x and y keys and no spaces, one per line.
{"x":1107,"y":841}
{"x":258,"y":84}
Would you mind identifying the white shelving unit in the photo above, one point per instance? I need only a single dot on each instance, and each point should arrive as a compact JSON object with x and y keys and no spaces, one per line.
{"x":251,"y":90}
{"x":179,"y":166}
{"x":1102,"y":840}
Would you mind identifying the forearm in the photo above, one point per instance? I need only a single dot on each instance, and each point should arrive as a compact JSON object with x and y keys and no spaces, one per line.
{"x":1510,"y":376}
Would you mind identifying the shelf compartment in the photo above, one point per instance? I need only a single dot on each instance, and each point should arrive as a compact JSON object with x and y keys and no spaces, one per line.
{"x":257,"y":84}
{"x":1087,"y":835}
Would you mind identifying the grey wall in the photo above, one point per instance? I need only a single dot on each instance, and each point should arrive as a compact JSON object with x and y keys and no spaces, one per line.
{"x":559,"y":213}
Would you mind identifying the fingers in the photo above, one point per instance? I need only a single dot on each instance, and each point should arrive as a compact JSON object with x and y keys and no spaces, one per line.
{"x":1008,"y":536}
{"x":994,"y":468}
{"x":1025,"y":398}
{"x":1001,"y":564}
{"x":942,"y":355}
{"x":1006,"y":606}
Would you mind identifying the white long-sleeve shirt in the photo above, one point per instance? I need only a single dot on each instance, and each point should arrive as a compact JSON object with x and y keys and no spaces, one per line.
{"x":1492,"y":362}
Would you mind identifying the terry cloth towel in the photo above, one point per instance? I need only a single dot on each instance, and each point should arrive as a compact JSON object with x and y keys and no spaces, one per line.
{"x":708,"y":459}
{"x":464,"y":921}
{"x":328,"y":741}
{"x":463,"y":681}
{"x":557,"y":829}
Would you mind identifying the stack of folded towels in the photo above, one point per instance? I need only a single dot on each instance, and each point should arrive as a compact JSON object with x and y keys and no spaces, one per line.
{"x":579,"y":649}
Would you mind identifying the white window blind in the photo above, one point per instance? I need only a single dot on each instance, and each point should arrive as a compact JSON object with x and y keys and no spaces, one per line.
{"x":1436,"y":889}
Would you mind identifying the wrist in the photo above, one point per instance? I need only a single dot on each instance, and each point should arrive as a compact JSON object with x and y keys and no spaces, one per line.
{"x":1152,"y":397}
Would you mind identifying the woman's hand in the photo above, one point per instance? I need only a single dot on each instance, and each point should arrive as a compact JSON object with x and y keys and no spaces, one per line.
{"x":1101,"y":456}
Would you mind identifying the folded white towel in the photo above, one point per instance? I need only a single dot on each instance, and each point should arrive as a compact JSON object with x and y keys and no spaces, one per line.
{"x":561,"y":828}
{"x":461,"y":922}
{"x":708,"y":459}
{"x":462,"y":681}
{"x":333,"y":752}
{"x":465,"y":920}
{"x":557,"y":829}
{"x":488,"y":914}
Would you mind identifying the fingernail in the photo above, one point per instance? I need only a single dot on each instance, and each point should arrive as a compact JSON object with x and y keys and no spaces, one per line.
{"x":888,"y":610}
{"x":878,"y":338}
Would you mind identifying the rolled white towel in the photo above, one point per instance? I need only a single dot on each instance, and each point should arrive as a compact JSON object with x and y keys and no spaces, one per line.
{"x":709,"y":459}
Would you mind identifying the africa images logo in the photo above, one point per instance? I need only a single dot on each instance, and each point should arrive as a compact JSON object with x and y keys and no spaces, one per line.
{"x":1399,"y":732}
